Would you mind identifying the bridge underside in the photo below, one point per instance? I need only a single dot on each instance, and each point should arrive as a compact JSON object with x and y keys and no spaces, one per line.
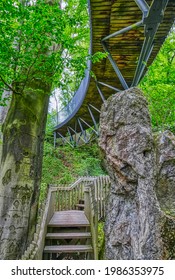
{"x":132,"y":33}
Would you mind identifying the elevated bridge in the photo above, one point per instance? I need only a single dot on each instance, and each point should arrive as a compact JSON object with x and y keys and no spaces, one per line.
{"x":131,"y":32}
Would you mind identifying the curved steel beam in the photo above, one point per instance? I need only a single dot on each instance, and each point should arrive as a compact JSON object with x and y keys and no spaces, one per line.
{"x":74,"y":105}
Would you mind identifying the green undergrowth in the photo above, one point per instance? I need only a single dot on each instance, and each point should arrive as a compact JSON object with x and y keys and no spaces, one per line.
{"x":63,"y":165}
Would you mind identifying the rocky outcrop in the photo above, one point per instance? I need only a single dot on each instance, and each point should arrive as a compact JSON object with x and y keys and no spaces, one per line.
{"x":135,"y":222}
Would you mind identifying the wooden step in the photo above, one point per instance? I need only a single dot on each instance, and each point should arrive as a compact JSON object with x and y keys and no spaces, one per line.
{"x":78,"y":205}
{"x":71,"y":218}
{"x":68,"y":235}
{"x":68,"y":248}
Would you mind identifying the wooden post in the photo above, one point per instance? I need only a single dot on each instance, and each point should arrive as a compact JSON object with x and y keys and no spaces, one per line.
{"x":87,"y":205}
{"x":91,"y":212}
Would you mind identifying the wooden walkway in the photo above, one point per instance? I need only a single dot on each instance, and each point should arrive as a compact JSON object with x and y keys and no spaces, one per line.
{"x":128,"y":51}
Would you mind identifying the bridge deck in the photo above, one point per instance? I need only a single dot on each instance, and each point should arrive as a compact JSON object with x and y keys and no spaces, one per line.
{"x":107,"y":17}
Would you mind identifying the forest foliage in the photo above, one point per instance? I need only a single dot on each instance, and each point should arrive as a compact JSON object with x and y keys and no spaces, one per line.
{"x":44,"y":40}
{"x":158,"y":86}
{"x":66,"y":163}
{"x":38,"y":38}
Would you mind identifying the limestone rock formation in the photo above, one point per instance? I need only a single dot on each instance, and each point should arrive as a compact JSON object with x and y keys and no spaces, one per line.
{"x":134,"y":222}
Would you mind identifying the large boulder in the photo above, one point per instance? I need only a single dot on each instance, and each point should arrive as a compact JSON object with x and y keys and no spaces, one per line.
{"x":134,"y":221}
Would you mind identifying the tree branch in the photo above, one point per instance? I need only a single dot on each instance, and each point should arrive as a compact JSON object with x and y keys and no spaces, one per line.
{"x":9,"y":87}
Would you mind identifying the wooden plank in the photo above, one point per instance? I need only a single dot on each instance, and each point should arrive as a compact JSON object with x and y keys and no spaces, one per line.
{"x":68,"y":248}
{"x":68,"y":235}
{"x":79,"y":205}
{"x":71,"y":218}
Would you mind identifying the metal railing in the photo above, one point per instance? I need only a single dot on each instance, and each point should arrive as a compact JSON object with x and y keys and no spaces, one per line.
{"x":75,"y":103}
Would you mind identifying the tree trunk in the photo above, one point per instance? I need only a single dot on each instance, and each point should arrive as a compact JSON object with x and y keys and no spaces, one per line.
{"x":21,"y":164}
{"x":4,"y":109}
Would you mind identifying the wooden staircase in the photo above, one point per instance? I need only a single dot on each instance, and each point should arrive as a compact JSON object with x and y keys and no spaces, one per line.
{"x":67,"y":226}
{"x":68,"y":236}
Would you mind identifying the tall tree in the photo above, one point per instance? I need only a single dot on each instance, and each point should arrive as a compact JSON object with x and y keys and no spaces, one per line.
{"x":33,"y":37}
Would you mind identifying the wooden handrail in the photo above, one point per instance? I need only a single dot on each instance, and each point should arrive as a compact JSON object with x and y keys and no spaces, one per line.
{"x":68,"y":197}
{"x":91,"y":212}
{"x":35,"y":249}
